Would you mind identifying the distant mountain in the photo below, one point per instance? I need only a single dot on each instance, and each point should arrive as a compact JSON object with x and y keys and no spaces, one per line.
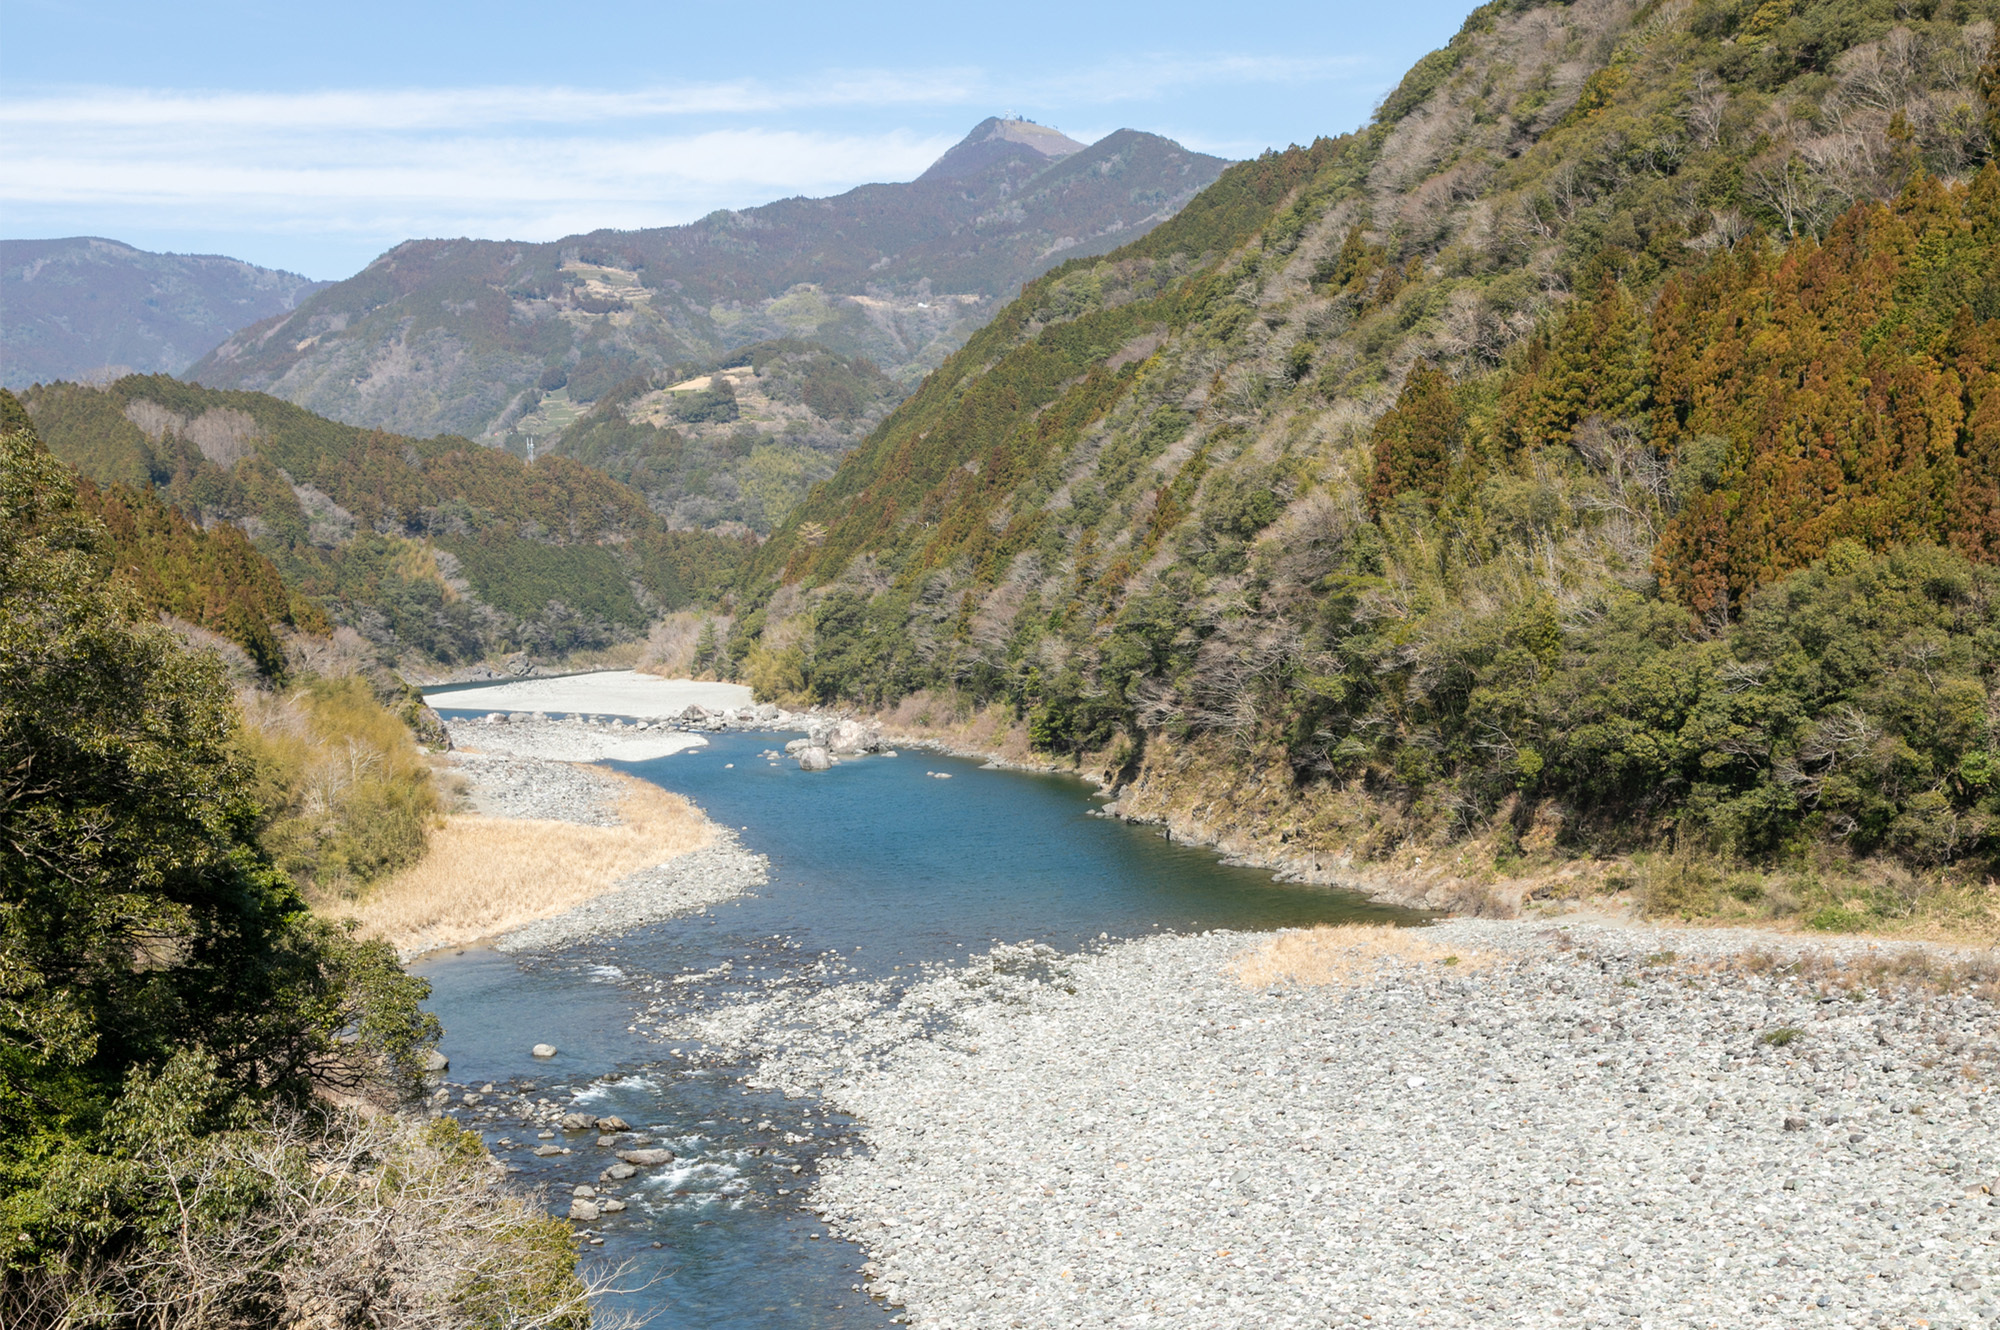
{"x":470,"y":335}
{"x":91,"y":308}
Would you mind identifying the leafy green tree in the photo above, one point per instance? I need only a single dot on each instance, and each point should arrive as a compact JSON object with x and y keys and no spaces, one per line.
{"x":142,"y":932}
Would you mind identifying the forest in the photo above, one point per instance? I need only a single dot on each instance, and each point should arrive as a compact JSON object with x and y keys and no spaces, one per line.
{"x":1590,"y":458}
{"x":193,"y":1063}
{"x":436,"y":550}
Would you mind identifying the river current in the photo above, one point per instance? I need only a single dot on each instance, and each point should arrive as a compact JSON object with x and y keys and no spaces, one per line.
{"x":878,"y":867}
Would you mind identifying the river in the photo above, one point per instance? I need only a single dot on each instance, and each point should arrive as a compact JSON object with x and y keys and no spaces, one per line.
{"x":877,"y":867}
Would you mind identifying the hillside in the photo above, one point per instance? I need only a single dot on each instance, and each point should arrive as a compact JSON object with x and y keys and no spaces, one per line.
{"x":738,"y":440}
{"x":1589,"y":457}
{"x":433,"y":549}
{"x":85,"y":307}
{"x":468,"y":336}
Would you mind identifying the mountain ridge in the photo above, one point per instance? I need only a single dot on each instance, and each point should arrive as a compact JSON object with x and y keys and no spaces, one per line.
{"x":1556,"y":470}
{"x":85,"y":305}
{"x":454,"y":335}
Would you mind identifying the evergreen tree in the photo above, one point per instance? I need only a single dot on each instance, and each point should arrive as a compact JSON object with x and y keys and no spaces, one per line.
{"x":1417,"y":442}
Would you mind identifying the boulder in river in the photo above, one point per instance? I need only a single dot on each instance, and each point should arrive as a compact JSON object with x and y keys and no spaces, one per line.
{"x":852,"y":736}
{"x":543,"y":1050}
{"x":798,"y":745}
{"x":647,"y":1158}
{"x":814,"y":758}
{"x":582,"y":1211}
{"x":612,"y":1124}
{"x":578,"y":1121}
{"x":617,"y":1173}
{"x":435,"y":1062}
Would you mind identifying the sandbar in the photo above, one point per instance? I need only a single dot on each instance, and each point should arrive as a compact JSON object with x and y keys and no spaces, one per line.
{"x":606,"y":693}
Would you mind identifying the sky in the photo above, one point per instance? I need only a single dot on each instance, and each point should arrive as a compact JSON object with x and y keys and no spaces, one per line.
{"x":314,"y":137}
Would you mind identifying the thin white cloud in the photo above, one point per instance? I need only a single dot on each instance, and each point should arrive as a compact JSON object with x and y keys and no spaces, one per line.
{"x":417,"y":110}
{"x":665,"y":177}
{"x":523,"y":161}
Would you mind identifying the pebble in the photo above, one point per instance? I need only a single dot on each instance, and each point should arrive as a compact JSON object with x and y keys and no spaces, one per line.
{"x":1571,"y":1133}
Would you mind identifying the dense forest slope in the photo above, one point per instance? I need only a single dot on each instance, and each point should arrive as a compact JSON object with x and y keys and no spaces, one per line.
{"x":82,"y":307}
{"x":471,"y":336}
{"x":1595,"y":452}
{"x":434,"y":549}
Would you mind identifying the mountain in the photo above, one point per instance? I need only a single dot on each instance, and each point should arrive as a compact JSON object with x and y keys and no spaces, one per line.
{"x":433,"y":549}
{"x":84,"y":307}
{"x":1596,"y":455}
{"x":470,"y":336}
{"x":735,"y":442}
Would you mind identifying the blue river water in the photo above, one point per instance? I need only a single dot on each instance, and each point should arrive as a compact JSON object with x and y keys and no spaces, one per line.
{"x":876,"y":861}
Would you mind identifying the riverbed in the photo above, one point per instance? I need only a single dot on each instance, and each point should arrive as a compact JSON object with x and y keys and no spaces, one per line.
{"x":884,"y":873}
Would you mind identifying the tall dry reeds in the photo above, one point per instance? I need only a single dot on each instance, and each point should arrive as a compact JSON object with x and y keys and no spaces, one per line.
{"x":486,"y":875}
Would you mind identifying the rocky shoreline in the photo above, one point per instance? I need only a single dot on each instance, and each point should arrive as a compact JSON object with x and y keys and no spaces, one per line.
{"x":1580,"y":1125}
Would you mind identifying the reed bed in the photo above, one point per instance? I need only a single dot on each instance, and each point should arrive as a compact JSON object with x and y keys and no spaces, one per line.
{"x":1344,"y":955}
{"x":485,"y":876}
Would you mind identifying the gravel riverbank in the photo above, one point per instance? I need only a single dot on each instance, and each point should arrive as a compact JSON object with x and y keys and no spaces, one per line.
{"x":1588,"y":1125}
{"x":538,"y":770}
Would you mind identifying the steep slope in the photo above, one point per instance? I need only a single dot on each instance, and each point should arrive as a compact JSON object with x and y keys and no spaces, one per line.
{"x":212,"y":578}
{"x":84,"y":307}
{"x":434,"y":549}
{"x":1577,"y":459}
{"x":464,"y":335}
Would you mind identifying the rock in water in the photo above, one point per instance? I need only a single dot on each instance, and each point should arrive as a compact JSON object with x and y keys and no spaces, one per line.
{"x":814,"y":759}
{"x":543,"y":1050}
{"x":435,"y":1061}
{"x":578,"y":1121}
{"x":851,"y":736}
{"x":646,"y":1158}
{"x":612,"y":1124}
{"x":583,"y":1211}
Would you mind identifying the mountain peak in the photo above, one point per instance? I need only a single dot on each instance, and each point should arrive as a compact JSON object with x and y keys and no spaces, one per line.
{"x":995,"y":139}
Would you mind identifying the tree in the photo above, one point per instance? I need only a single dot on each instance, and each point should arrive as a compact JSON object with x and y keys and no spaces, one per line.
{"x":1417,"y":441}
{"x":140,"y":926}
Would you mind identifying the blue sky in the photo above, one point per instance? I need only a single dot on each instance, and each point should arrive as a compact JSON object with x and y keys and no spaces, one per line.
{"x":314,"y":137}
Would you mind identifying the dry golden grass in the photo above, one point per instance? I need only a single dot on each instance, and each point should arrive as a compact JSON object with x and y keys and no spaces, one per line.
{"x":487,"y":875}
{"x":1892,"y":969}
{"x":1345,"y":955}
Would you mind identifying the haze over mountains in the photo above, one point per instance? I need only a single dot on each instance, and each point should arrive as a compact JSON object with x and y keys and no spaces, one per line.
{"x":469,"y":336}
{"x":88,"y":307}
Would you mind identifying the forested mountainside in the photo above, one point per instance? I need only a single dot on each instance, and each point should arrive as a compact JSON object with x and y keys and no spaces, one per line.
{"x":1596,"y":452}
{"x":83,"y":307}
{"x":433,"y":549}
{"x":192,"y":1124}
{"x":470,"y":336}
{"x":739,"y":439}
